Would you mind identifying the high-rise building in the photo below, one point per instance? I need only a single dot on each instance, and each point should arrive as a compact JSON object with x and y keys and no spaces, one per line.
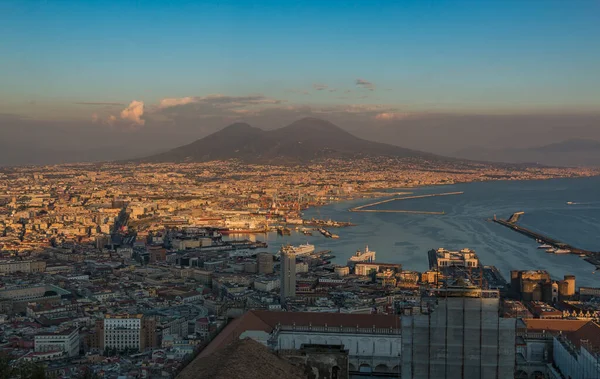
{"x":288,"y":275}
{"x":463,"y":337}
{"x":265,"y":263}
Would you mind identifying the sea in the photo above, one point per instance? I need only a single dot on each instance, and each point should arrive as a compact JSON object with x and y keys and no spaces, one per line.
{"x":405,"y":238}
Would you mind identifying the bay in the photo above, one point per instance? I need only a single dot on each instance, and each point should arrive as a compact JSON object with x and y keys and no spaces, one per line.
{"x":406,"y":238}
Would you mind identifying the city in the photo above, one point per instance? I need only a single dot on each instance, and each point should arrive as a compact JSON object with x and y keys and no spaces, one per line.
{"x":120,"y":269}
{"x":307,"y":189}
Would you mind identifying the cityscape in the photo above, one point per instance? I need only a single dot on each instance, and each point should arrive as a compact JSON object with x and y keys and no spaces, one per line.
{"x":313,"y":189}
{"x":145,"y":270}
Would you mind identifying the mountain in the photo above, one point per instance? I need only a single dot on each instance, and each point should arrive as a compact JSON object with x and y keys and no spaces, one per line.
{"x":572,"y":152}
{"x":303,"y":141}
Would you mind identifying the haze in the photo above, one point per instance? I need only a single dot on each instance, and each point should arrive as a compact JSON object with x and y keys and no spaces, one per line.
{"x":111,"y":80}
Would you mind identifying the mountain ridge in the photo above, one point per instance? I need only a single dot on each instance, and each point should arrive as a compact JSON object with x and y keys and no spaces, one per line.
{"x":302,"y":141}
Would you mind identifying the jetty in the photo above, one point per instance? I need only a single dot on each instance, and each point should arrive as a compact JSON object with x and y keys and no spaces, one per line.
{"x":511,"y":223}
{"x":362,"y":207}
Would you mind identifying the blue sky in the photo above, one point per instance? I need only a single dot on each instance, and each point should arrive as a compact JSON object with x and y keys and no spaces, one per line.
{"x":421,"y":56}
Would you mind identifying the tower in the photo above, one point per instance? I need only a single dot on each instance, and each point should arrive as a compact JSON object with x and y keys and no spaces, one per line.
{"x":288,"y":275}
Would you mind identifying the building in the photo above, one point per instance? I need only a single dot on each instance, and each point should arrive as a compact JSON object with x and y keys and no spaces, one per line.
{"x":372,"y":341}
{"x":288,"y":275}
{"x":266,"y":285}
{"x":534,"y":345}
{"x":365,"y":269}
{"x":127,"y":332}
{"x":462,"y":337}
{"x":577,"y":354}
{"x":566,"y":287}
{"x":588,"y":293}
{"x":533,"y":285}
{"x":265,"y":263}
{"x":464,"y":258}
{"x":66,"y":341}
{"x":10,"y":267}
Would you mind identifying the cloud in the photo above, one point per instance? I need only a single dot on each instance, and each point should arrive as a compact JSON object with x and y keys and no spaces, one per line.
{"x":174,"y":102}
{"x":389,"y":116}
{"x":134,"y":112}
{"x":97,"y":103}
{"x":111,"y":120}
{"x":95,"y":117}
{"x":219,"y":101}
{"x":320,"y":87}
{"x":365,"y":84}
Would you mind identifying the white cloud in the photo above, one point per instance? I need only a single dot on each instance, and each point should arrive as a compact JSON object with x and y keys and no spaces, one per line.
{"x":174,"y":102}
{"x":134,"y":112}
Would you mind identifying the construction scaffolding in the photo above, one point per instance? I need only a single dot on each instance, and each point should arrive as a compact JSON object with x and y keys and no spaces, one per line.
{"x":463,"y":337}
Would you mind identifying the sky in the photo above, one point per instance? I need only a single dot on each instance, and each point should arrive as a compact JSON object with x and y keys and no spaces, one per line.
{"x":162,"y":72}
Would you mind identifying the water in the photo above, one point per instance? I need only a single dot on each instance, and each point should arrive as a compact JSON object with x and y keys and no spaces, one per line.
{"x":406,"y":238}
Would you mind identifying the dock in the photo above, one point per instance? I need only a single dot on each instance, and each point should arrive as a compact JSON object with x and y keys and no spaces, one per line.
{"x":399,"y":211}
{"x":591,"y":256}
{"x":362,"y":207}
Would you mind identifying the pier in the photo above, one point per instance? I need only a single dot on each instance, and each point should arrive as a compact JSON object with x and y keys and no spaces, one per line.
{"x":591,"y":257}
{"x":398,"y":211}
{"x":362,"y":207}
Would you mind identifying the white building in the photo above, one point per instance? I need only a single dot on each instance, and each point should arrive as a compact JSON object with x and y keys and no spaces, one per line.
{"x":266,"y":285}
{"x":66,"y":341}
{"x":577,"y":354}
{"x":464,"y":258}
{"x":123,"y":332}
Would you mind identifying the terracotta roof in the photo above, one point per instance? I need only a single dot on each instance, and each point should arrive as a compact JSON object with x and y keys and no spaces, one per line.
{"x":233,"y":330}
{"x":553,"y":325}
{"x":243,"y":359}
{"x":588,"y":335}
{"x":330,"y":319}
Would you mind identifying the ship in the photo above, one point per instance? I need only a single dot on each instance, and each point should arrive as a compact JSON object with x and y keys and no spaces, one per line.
{"x":325,"y":232}
{"x":300,"y":250}
{"x":362,"y":256}
{"x":562,"y":251}
{"x":545,"y":246}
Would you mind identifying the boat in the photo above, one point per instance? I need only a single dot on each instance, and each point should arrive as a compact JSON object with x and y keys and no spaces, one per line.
{"x":545,"y":246}
{"x":552,"y":250}
{"x":562,"y":251}
{"x":334,"y":236}
{"x":570,"y":203}
{"x":325,"y":232}
{"x":305,"y":249}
